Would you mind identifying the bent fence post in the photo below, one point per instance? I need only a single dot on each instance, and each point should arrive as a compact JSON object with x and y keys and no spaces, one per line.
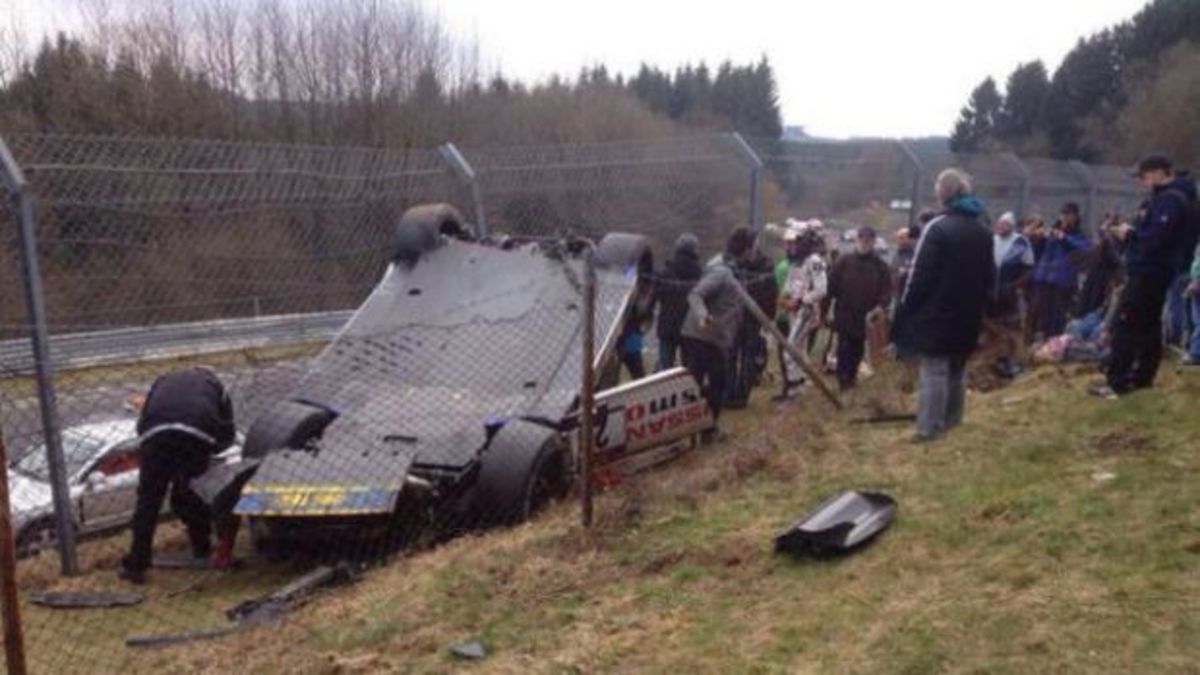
{"x":14,"y":637}
{"x":755,"y":164}
{"x":801,"y":359}
{"x":1025,"y":176}
{"x":918,"y":174}
{"x":587,"y":389}
{"x":12,"y":175}
{"x":466,"y":173}
{"x":1084,"y":173}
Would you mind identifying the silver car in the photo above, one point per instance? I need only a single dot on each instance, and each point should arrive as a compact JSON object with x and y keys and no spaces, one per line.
{"x":102,"y":474}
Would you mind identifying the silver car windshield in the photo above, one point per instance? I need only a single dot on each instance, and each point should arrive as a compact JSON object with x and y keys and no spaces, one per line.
{"x":78,"y":449}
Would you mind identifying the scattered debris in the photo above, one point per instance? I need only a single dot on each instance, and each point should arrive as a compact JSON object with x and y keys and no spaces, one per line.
{"x":841,"y":524}
{"x":259,"y":611}
{"x":85,"y":599}
{"x":887,"y":418}
{"x":472,"y":650}
{"x":1123,"y":440}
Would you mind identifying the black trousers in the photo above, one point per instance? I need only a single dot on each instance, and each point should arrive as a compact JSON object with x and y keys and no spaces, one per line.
{"x":706,"y":363}
{"x":850,"y":352}
{"x":169,"y":466}
{"x":1137,"y":346}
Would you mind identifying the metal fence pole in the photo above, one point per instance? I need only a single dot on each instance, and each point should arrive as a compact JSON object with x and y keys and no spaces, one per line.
{"x":1026,"y":177}
{"x":755,"y":164}
{"x":463,"y":169}
{"x":1084,"y":173}
{"x":11,"y":173}
{"x":587,"y":390}
{"x":14,"y":637}
{"x":918,"y":173}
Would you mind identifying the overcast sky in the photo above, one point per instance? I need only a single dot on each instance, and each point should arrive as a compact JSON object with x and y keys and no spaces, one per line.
{"x":866,"y":68}
{"x":845,"y":68}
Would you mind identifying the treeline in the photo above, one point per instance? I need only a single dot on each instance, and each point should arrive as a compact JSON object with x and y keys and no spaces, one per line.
{"x":339,"y":72}
{"x":1119,"y":92}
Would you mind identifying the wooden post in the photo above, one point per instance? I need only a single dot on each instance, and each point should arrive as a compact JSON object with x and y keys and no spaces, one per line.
{"x":14,"y":639}
{"x":791,"y":349}
{"x":587,"y":391}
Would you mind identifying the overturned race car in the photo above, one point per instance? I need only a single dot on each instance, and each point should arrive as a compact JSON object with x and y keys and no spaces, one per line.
{"x":450,"y":399}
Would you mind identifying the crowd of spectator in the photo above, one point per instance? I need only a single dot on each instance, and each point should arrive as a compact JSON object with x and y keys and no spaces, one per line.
{"x":1116,"y":294}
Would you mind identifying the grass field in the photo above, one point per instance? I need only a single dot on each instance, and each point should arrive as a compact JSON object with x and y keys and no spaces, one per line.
{"x":1052,"y":533}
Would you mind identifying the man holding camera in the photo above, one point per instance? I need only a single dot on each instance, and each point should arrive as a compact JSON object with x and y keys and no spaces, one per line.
{"x":1056,"y":276}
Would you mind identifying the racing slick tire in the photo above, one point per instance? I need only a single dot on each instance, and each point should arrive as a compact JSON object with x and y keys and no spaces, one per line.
{"x":289,"y":424}
{"x":526,"y":467}
{"x":421,"y":228}
{"x":621,"y":252}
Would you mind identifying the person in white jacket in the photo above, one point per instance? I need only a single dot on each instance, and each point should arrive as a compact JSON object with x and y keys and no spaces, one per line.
{"x":803,"y":291}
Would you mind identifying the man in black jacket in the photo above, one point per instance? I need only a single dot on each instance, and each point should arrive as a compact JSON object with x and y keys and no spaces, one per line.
{"x":186,"y":420}
{"x":1157,"y":247}
{"x":940,"y":316}
{"x":860,"y":285}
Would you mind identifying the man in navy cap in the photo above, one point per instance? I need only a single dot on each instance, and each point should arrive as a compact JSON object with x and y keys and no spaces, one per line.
{"x":1158,"y":245}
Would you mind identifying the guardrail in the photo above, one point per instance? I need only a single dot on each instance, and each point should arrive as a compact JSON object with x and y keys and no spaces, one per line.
{"x":131,"y":345}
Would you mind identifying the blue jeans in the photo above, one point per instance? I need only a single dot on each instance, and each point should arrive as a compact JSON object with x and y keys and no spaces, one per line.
{"x":1175,"y":317}
{"x":1193,"y":346}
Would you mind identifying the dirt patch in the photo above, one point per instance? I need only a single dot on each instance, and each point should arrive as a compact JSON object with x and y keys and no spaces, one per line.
{"x":1123,"y":441}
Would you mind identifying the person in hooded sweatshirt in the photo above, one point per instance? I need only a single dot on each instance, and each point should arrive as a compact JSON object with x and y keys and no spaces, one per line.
{"x":941,"y":314}
{"x":679,"y":275}
{"x":714,"y":320}
{"x":1157,"y":245}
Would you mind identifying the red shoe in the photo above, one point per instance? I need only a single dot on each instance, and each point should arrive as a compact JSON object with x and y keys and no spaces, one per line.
{"x":223,"y":558}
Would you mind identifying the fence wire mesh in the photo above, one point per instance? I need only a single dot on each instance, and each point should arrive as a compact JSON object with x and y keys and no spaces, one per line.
{"x":389,"y":404}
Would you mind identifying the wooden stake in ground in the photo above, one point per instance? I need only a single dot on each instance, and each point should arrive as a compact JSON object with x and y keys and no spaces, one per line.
{"x":14,"y":639}
{"x":791,"y":349}
{"x":587,"y":390}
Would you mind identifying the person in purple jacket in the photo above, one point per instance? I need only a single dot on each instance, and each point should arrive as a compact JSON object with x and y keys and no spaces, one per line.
{"x":1056,"y":276}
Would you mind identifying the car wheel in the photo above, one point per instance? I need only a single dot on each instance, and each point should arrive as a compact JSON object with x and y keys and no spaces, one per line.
{"x":421,"y":228}
{"x":36,"y":537}
{"x":621,"y":252}
{"x":288,"y":424}
{"x":524,"y":469}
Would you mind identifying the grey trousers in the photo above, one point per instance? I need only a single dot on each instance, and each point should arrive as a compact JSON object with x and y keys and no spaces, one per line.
{"x":943,"y":391}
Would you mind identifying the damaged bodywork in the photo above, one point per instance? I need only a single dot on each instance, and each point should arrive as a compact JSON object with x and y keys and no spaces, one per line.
{"x":450,"y":396}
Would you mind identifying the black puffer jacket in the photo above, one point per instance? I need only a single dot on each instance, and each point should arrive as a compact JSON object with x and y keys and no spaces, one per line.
{"x":678,"y":277}
{"x":952,"y":275}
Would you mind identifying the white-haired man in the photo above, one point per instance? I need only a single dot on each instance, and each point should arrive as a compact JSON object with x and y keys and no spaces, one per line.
{"x":1013,"y":254}
{"x":941,"y":313}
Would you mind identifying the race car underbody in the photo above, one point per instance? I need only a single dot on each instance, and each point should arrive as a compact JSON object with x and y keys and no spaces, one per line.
{"x":450,"y":396}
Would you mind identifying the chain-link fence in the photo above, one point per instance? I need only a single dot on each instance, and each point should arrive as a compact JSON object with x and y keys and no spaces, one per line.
{"x":393,"y":381}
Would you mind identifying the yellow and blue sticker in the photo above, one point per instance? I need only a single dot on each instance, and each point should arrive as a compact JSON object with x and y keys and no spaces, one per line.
{"x":316,"y":500}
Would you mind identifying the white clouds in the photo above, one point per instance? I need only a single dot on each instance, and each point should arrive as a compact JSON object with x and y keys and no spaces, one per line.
{"x":882,"y":67}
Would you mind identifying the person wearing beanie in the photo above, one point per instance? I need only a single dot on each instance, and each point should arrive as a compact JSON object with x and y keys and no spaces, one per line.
{"x":1056,"y":275}
{"x":679,"y":275}
{"x":1013,"y":256}
{"x":713,"y":320}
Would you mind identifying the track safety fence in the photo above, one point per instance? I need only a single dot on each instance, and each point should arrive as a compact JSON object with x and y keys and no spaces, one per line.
{"x":394,"y":381}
